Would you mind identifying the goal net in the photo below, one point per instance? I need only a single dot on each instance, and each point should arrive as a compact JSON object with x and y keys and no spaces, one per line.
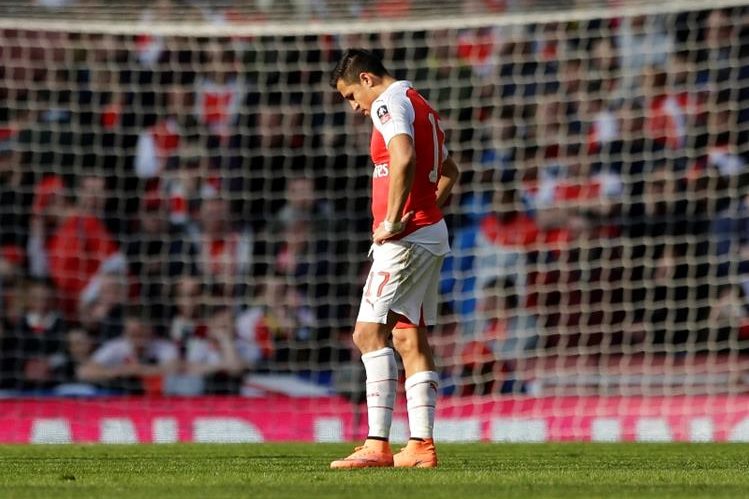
{"x":184,"y":218}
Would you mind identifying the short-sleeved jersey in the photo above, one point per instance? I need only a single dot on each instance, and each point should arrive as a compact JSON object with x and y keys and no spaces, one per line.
{"x":400,"y":109}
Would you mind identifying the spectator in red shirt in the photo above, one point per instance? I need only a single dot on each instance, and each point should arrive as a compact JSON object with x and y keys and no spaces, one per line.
{"x":219,"y":90}
{"x":224,"y":253}
{"x":81,"y":248}
{"x":670,"y":111}
{"x":161,"y":141}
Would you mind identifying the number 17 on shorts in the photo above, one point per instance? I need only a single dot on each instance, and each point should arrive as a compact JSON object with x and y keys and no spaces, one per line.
{"x":404,"y":278}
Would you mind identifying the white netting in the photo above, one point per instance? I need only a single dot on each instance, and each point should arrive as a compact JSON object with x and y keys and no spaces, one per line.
{"x":189,"y":161}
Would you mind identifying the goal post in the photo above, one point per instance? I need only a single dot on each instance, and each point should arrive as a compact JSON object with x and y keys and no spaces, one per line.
{"x":182,"y":191}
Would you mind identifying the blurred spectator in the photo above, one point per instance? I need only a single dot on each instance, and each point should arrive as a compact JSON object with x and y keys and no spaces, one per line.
{"x":38,"y":336}
{"x":496,"y":165}
{"x":670,"y":111}
{"x":189,"y":306}
{"x":218,"y":90}
{"x":156,"y":256}
{"x":65,"y":363}
{"x":224,"y":253}
{"x":722,"y":50}
{"x":80,"y":249}
{"x":643,"y":42}
{"x":729,"y":232}
{"x":549,"y":125}
{"x":303,"y":204}
{"x":602,"y":126}
{"x":504,"y":325}
{"x":158,"y":143}
{"x":210,"y":358}
{"x":302,"y":251}
{"x":476,"y":48}
{"x":103,"y":315}
{"x":189,"y":181}
{"x":445,"y":76}
{"x":575,"y":197}
{"x":278,"y":328}
{"x":12,"y":305}
{"x":487,"y":360}
{"x":676,"y":298}
{"x":664,"y":208}
{"x":136,"y":362}
{"x":498,"y":248}
{"x":720,"y":156}
{"x":729,"y":317}
{"x":49,"y":208}
{"x":605,"y":62}
{"x":571,"y":92}
{"x":149,"y":47}
{"x":16,"y":181}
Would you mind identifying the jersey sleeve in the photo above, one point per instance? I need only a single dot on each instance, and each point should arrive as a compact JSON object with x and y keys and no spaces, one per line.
{"x":393,"y":116}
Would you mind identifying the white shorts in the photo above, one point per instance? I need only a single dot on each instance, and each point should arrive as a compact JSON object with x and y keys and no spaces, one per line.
{"x":405,"y":279}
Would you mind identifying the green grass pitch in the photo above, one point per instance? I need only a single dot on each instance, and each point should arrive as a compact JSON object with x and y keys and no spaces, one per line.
{"x":301,"y":471}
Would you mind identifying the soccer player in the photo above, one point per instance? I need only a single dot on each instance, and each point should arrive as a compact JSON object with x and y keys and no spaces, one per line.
{"x":412,"y":178}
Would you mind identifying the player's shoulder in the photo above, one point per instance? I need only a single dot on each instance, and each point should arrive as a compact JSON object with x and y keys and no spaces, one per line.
{"x":393,"y":102}
{"x":412,"y":99}
{"x":395,"y":94}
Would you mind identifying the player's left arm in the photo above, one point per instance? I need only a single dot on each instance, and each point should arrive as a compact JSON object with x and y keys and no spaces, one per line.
{"x":448,"y":178}
{"x":402,"y":168}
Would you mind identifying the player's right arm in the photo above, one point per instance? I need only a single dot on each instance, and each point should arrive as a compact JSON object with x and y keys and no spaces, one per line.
{"x":448,"y":178}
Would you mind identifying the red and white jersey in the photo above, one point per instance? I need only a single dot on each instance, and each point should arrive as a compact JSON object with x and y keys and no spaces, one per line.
{"x":217,"y":104}
{"x":400,"y":109}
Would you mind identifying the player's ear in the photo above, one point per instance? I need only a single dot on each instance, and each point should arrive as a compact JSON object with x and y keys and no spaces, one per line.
{"x":366,"y":79}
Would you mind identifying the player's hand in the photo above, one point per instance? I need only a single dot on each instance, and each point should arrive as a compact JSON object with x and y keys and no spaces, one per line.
{"x":382,"y":234}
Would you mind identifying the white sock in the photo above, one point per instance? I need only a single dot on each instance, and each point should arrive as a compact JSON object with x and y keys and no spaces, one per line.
{"x":421,"y":394}
{"x":382,"y":374}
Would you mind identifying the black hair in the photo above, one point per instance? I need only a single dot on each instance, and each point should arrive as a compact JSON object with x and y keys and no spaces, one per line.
{"x":355,"y":61}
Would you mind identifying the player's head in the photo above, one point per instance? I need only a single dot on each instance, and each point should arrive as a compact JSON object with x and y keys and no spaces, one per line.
{"x":358,"y":77}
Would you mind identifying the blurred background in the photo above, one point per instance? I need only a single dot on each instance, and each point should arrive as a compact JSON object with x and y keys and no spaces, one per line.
{"x":184,"y":202}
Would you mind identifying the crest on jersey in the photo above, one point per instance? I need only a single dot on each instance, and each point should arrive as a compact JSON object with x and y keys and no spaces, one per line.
{"x":383,"y":114}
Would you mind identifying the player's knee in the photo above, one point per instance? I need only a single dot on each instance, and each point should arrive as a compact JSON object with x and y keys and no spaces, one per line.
{"x":367,"y":339}
{"x":359,"y":338}
{"x":404,"y":343}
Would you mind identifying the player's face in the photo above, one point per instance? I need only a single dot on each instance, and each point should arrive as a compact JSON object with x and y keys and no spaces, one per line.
{"x":359,"y":95}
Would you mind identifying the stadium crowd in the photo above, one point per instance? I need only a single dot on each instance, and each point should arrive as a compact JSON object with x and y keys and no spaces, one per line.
{"x":179,"y":211}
